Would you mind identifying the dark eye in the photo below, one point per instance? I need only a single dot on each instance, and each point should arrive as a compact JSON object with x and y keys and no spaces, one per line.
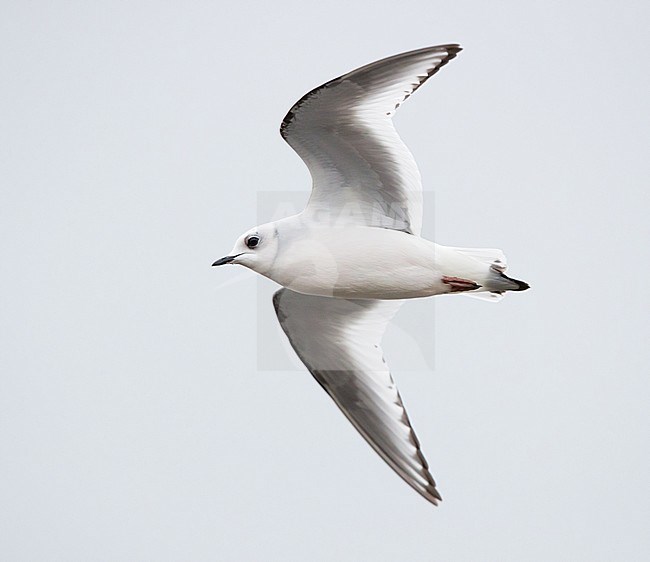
{"x":252,"y":241}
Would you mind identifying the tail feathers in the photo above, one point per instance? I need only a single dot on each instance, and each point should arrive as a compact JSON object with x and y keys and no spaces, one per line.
{"x":496,"y":282}
{"x":495,"y":287}
{"x":510,"y":284}
{"x":489,"y":256}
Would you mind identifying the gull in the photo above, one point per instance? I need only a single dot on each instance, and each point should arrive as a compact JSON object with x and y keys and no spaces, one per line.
{"x":349,"y":259}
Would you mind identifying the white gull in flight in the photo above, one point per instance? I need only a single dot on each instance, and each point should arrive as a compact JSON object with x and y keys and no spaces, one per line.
{"x":347,"y":261}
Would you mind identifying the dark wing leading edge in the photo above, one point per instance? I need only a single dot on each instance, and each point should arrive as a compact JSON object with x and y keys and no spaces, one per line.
{"x":339,"y":342}
{"x":343,"y":130}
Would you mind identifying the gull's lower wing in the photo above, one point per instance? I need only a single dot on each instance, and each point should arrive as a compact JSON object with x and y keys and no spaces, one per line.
{"x":339,"y":340}
{"x":343,"y":131}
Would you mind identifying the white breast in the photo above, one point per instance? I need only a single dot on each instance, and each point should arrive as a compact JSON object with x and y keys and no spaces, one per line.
{"x":358,"y":262}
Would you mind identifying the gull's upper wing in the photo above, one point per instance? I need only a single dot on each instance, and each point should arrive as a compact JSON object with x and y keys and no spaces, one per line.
{"x":343,"y":130}
{"x":338,"y":341}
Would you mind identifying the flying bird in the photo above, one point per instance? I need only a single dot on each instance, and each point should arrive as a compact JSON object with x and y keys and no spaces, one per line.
{"x":349,"y":259}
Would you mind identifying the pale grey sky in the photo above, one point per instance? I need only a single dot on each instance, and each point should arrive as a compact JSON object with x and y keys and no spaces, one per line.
{"x":134,"y":422}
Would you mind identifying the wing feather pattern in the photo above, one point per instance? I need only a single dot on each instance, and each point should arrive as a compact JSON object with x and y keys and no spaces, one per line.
{"x":343,"y":131}
{"x":339,"y":342}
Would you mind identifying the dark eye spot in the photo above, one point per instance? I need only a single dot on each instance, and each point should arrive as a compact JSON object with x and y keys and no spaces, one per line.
{"x":252,"y":241}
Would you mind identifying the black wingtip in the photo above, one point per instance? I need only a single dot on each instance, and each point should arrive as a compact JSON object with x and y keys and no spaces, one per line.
{"x":521,"y":285}
{"x":452,"y":50}
{"x":433,"y":496}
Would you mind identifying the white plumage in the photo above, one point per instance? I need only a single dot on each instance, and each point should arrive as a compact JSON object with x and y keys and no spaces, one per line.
{"x":349,"y":258}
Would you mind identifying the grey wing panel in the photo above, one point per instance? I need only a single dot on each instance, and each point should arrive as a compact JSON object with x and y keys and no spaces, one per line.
{"x":343,"y":131}
{"x":338,"y":340}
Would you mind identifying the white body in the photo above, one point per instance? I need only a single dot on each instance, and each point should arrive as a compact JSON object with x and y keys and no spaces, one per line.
{"x":367,"y":263}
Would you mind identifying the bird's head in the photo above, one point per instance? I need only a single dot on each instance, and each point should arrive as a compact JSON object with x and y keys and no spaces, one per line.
{"x":255,"y":249}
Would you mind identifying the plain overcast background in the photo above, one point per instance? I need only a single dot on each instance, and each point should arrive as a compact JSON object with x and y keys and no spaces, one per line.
{"x":135,"y":424}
